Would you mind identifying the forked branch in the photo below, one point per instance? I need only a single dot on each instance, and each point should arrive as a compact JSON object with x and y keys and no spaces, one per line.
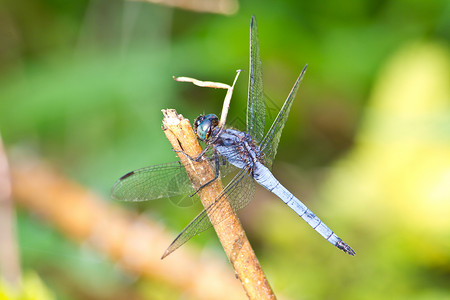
{"x":215,"y":85}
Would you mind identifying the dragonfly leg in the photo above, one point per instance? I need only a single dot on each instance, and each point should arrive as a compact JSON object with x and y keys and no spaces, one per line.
{"x":216,"y":175}
{"x":196,"y":159}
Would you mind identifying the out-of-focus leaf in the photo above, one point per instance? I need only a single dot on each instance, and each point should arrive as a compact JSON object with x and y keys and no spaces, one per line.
{"x":393,"y":188}
{"x":33,"y":288}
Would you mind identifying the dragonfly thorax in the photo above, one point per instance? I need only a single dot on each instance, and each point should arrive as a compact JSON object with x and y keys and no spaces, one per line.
{"x":204,"y":126}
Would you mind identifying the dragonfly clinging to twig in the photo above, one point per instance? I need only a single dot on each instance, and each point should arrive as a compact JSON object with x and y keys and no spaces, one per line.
{"x":251,"y":153}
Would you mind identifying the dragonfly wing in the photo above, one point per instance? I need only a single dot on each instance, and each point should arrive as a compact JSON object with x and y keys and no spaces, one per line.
{"x":239,"y":193}
{"x":225,"y":167}
{"x":269,"y":145}
{"x":256,"y":111}
{"x":159,"y":181}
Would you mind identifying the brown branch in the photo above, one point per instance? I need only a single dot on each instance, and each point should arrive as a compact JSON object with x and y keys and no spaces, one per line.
{"x":133,"y":241}
{"x":224,"y":7}
{"x":230,"y":232}
{"x":9,"y":257}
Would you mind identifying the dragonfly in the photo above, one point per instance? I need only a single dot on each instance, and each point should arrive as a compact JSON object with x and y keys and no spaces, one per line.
{"x":250,"y":154}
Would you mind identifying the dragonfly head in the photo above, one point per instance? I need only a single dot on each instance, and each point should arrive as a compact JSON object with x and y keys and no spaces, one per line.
{"x":204,"y":125}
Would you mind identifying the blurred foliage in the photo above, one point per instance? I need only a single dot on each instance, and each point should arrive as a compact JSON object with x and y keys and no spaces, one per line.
{"x":82,"y":85}
{"x":32,"y":289}
{"x":391,"y":191}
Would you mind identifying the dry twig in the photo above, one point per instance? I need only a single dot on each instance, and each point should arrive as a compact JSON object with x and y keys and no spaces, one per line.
{"x":230,"y":232}
{"x":9,"y":257}
{"x":224,"y":7}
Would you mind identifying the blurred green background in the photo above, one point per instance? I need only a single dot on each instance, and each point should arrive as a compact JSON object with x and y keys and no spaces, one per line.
{"x":367,"y":144}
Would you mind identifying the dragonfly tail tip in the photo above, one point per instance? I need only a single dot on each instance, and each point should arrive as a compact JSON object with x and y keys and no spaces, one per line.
{"x":346,"y":248}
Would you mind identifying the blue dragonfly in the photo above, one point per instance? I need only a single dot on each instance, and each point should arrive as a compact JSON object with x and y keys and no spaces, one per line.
{"x":250,"y":154}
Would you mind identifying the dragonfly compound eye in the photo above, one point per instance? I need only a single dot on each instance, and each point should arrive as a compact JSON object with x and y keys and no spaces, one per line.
{"x":198,"y":121}
{"x":205,"y":126}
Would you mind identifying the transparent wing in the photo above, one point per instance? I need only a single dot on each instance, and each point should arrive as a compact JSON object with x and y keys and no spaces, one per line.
{"x":224,"y":166}
{"x":159,"y":181}
{"x":269,"y":145}
{"x":239,"y":192}
{"x":256,"y":112}
{"x":168,"y":180}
